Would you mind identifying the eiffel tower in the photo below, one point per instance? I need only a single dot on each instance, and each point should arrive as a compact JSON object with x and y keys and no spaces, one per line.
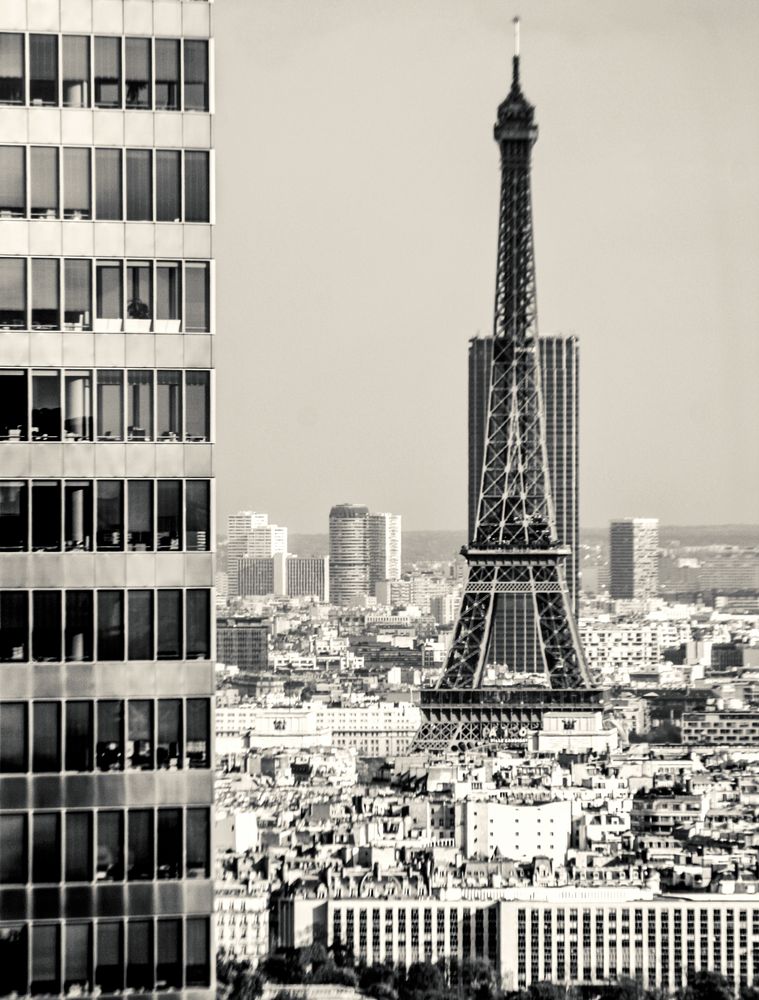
{"x":514,"y":554}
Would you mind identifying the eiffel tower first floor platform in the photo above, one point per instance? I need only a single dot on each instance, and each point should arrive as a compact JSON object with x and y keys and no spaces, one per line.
{"x":457,"y":720}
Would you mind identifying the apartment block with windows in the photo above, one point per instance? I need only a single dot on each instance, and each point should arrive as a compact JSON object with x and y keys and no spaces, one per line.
{"x":106,"y":497}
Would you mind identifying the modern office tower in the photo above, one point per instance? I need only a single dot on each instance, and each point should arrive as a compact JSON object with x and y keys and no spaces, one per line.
{"x":239,"y":527}
{"x":348,"y":553}
{"x":634,"y":558}
{"x":106,"y":474}
{"x":308,"y":576}
{"x":284,"y":576}
{"x":384,"y":541}
{"x":255,"y":577}
{"x":267,"y":541}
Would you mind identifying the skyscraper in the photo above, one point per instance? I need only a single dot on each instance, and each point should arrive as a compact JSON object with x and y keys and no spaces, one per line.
{"x":384,"y":548}
{"x":239,"y":527}
{"x":348,"y":553}
{"x":106,"y":561}
{"x":634,"y":558}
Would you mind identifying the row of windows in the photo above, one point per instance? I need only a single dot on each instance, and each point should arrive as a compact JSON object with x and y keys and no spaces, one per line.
{"x":139,"y":185}
{"x":140,"y":954}
{"x":104,"y":735}
{"x":81,"y":515}
{"x":81,"y":405}
{"x":166,"y":295}
{"x":84,"y":625}
{"x":77,"y":71}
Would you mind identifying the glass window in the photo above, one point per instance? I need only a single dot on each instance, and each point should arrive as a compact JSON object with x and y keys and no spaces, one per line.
{"x":46,"y":297}
{"x":43,"y":69}
{"x":196,"y":186}
{"x":140,"y":405}
{"x":46,"y":847}
{"x":140,"y":738}
{"x":79,"y":736}
{"x":169,"y":958}
{"x":195,"y":75}
{"x":110,"y":736}
{"x":110,"y":298}
{"x":46,"y":744}
{"x":168,"y":185}
{"x":13,"y":857}
{"x":79,"y":626}
{"x":169,"y":406}
{"x":76,"y":71}
{"x":11,"y":68}
{"x":77,"y":515}
{"x":78,"y":300}
{"x":167,"y":74}
{"x":110,"y":625}
{"x":77,"y":183}
{"x":107,"y":72}
{"x":197,"y":732}
{"x":140,"y":850}
{"x":14,"y":959}
{"x":46,"y":515}
{"x":169,"y":507}
{"x":14,"y":532}
{"x":46,"y":958}
{"x":110,"y":515}
{"x":198,"y":405}
{"x":109,"y":971}
{"x":169,"y":292}
{"x":169,"y":849}
{"x":197,"y":306}
{"x":46,"y":405}
{"x":13,"y":403}
{"x":14,"y":626}
{"x":198,"y":625}
{"x":169,"y":624}
{"x":110,"y":855}
{"x":140,"y":954}
{"x":110,"y":405}
{"x":43,"y":169}
{"x":108,"y":197}
{"x":46,"y":625}
{"x":78,"y":846}
{"x":78,"y":958}
{"x":140,"y":528}
{"x":139,"y":164}
{"x":141,"y":625}
{"x":197,"y":500}
{"x":139,"y":289}
{"x":12,"y":182}
{"x":13,"y":737}
{"x":198,"y":967}
{"x":198,"y":843}
{"x":78,"y":390}
{"x":169,"y":743}
{"x":12,"y":293}
{"x":137,"y":63}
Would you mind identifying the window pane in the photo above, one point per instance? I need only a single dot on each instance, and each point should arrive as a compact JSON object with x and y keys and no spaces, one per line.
{"x":77,"y":183}
{"x":108,"y":202}
{"x":76,"y":71}
{"x":13,"y":737}
{"x":110,"y":855}
{"x":46,"y":405}
{"x":12,"y":293}
{"x":78,"y":422}
{"x":197,"y":731}
{"x":109,"y":972}
{"x":77,"y":516}
{"x":167,"y":186}
{"x":78,"y":846}
{"x":139,"y":290}
{"x":79,"y":625}
{"x":198,"y":405}
{"x":169,"y":514}
{"x":14,"y":535}
{"x":78,"y":300}
{"x":137,"y":56}
{"x":139,"y":185}
{"x":198,"y":515}
{"x":43,"y":167}
{"x":197,"y":309}
{"x":46,"y":958}
{"x":169,"y":958}
{"x":141,"y":625}
{"x":43,"y":69}
{"x":108,"y":72}
{"x":198,"y":843}
{"x":195,"y":75}
{"x":110,"y":406}
{"x":110,"y":736}
{"x":140,"y":856}
{"x":169,"y":850}
{"x":14,"y":959}
{"x":46,"y":746}
{"x":140,"y":529}
{"x":46,"y":626}
{"x":14,"y":626}
{"x":46,"y":300}
{"x":140,"y":736}
{"x":12,"y":182}
{"x":167,"y":74}
{"x":13,"y":403}
{"x":140,"y":406}
{"x":110,"y":625}
{"x":110,"y":514}
{"x":13,"y":861}
{"x":46,"y":516}
{"x":79,"y":736}
{"x":169,"y":291}
{"x":140,"y":954}
{"x":76,"y":973}
{"x":46,"y":847}
{"x":11,"y":68}
{"x":198,"y":969}
{"x":110,"y":303}
{"x":196,"y":186}
{"x":169,"y":406}
{"x":169,"y":743}
{"x":169,"y":624}
{"x":198,"y":624}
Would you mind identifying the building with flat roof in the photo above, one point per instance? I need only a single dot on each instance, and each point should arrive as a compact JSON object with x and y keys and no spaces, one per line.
{"x":634,"y":558}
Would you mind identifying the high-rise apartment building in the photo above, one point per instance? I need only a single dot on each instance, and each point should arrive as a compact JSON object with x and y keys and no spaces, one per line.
{"x":267,"y":541}
{"x":284,"y":575}
{"x":384,"y":548}
{"x":348,"y":553}
{"x":106,"y":498}
{"x":307,"y":576}
{"x":634,"y":558}
{"x":239,"y":527}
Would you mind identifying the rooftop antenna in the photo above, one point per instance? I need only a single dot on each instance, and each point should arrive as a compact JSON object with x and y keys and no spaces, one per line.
{"x":515,"y":60}
{"x":515,"y":22}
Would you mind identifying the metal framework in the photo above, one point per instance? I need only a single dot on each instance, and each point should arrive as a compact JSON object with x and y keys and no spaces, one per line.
{"x":514,"y":549}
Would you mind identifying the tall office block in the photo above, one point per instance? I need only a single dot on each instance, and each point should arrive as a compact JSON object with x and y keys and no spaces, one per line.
{"x":239,"y":527}
{"x":634,"y":558}
{"x":267,"y":541}
{"x":348,"y":553}
{"x":106,"y":476}
{"x":307,"y":576}
{"x":384,"y":548}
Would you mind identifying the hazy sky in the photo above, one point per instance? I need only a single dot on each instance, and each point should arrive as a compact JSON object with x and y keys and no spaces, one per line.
{"x":357,"y":202}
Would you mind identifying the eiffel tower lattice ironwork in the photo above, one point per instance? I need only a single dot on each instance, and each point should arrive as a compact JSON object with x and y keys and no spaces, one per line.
{"x":514,"y":550}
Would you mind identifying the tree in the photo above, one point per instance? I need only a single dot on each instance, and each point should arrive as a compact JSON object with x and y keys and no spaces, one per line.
{"x":749,"y":993}
{"x":236,"y":979}
{"x":706,"y":986}
{"x":284,"y":966}
{"x":547,"y":991}
{"x":331,"y":973}
{"x":478,"y":980}
{"x":424,"y":981}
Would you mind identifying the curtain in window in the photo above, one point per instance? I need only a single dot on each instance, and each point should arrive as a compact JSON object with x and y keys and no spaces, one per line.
{"x":110,"y":950}
{"x":108,"y":72}
{"x":43,"y":69}
{"x":110,"y":410}
{"x":198,"y":840}
{"x":109,"y":291}
{"x":169,"y":958}
{"x":13,"y":746}
{"x":197,"y":952}
{"x":140,"y":529}
{"x":46,"y":961}
{"x":196,"y":186}
{"x":140,"y":954}
{"x":46,"y":755}
{"x":11,"y":68}
{"x":137,"y":72}
{"x":168,"y":185}
{"x":44,"y":181}
{"x":195,"y":75}
{"x":78,"y":847}
{"x":197,"y":307}
{"x":77,"y":184}
{"x":12,"y":182}
{"x":168,"y":290}
{"x":197,"y":403}
{"x":12,"y":293}
{"x":79,"y":625}
{"x":76,"y":71}
{"x":108,"y":183}
{"x":141,"y":625}
{"x":13,"y":859}
{"x":77,"y":521}
{"x":139,"y":185}
{"x":45,"y":294}
{"x":169,"y":624}
{"x":77,"y":957}
{"x":167,"y":73}
{"x":78,"y":293}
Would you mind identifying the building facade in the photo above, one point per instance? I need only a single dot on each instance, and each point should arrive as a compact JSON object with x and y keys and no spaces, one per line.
{"x":348,"y":554}
{"x":243,"y":643}
{"x":106,"y":497}
{"x":384,"y":543}
{"x":634,"y":558}
{"x":239,"y":527}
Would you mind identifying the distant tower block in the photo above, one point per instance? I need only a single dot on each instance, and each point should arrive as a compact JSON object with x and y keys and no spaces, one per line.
{"x":634,"y":558}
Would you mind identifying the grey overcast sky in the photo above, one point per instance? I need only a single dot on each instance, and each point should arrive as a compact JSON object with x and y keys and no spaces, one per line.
{"x":357,"y":201}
